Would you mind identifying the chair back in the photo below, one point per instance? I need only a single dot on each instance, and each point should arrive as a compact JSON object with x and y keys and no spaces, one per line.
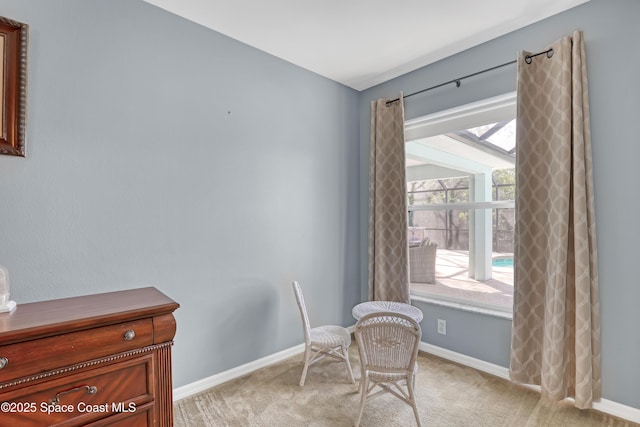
{"x":303,"y":311}
{"x":388,"y":342}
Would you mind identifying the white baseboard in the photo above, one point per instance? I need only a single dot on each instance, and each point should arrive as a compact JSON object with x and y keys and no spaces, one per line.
{"x":222,"y":377}
{"x":607,"y":406}
{"x":480,"y":365}
{"x":618,"y":410}
{"x":603,"y":405}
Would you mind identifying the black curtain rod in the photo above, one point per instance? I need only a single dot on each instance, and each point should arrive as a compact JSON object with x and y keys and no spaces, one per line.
{"x":457,"y":81}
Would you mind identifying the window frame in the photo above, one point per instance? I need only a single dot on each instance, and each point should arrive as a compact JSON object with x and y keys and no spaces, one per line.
{"x":466,"y":116}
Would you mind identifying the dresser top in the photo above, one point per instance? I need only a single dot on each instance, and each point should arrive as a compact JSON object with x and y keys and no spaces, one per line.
{"x":40,"y":319}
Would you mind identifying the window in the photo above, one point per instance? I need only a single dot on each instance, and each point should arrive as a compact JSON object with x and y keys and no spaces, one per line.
{"x":460,"y":191}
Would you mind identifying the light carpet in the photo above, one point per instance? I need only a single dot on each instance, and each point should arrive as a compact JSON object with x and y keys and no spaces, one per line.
{"x":448,"y":395}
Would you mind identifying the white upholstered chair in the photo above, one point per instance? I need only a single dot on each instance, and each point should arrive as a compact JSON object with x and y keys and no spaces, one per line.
{"x":388,"y":347}
{"x":322,"y":341}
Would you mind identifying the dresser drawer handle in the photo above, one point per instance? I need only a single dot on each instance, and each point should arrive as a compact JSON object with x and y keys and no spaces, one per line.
{"x":3,"y":362}
{"x":129,"y":335}
{"x":90,"y":390}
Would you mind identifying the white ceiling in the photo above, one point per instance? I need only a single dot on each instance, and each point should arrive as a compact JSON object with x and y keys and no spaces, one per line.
{"x":361,"y":43}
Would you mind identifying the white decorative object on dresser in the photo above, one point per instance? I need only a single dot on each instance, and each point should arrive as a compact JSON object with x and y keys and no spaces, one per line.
{"x":6,"y":304}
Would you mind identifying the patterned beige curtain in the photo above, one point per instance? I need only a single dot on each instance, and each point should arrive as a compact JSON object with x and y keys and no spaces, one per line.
{"x":556,"y":328}
{"x":388,"y":265}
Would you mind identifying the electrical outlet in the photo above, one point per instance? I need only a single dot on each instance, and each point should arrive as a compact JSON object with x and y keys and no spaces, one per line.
{"x":442,"y":327}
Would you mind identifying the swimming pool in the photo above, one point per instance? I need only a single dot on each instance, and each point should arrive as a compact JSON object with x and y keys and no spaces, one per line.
{"x":502,"y":262}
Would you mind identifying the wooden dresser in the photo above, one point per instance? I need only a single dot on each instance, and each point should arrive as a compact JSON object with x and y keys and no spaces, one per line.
{"x":93,"y":360}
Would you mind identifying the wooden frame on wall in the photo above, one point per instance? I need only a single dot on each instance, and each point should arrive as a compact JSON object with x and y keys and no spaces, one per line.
{"x":13,"y":86}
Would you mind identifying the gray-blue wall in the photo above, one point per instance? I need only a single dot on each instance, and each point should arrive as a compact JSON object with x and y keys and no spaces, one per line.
{"x":162,"y":153}
{"x":611,"y":35}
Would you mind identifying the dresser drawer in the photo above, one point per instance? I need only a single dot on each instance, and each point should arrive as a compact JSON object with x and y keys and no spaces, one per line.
{"x":45,"y":354}
{"x":142,"y":417}
{"x":123,"y":388}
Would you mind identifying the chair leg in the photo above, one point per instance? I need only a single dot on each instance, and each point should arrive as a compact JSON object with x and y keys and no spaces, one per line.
{"x":307,"y":353}
{"x":412,"y":397}
{"x":364,"y":385}
{"x":345,"y":353}
{"x":361,"y":381}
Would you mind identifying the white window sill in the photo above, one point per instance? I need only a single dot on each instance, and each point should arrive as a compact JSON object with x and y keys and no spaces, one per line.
{"x":499,"y":312}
